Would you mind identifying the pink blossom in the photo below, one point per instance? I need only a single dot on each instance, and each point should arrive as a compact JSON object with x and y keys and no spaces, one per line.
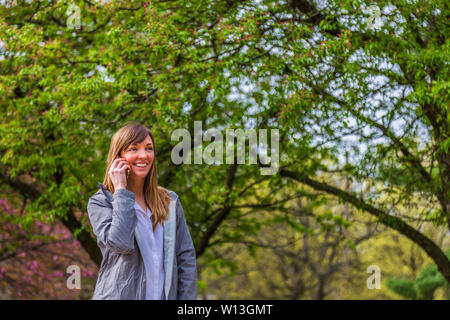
{"x":58,"y":274}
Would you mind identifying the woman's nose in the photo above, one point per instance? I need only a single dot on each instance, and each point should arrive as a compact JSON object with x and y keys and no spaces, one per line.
{"x":142,"y":154}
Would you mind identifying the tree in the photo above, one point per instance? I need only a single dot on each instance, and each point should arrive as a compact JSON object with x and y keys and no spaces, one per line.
{"x":34,"y":260}
{"x":318,"y":71}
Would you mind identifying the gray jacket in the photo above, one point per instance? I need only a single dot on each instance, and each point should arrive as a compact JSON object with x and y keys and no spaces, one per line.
{"x":122,"y":272}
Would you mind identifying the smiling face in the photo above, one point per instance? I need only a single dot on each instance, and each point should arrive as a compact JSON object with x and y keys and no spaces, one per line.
{"x":140,"y":156}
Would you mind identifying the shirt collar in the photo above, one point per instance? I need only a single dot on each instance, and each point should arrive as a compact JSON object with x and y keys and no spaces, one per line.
{"x":137,"y":206}
{"x":148,"y":213}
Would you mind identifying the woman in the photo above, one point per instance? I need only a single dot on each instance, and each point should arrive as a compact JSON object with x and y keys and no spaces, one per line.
{"x":140,"y":227}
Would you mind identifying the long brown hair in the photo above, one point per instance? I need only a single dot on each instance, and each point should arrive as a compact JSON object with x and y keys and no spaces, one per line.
{"x":156,"y":197}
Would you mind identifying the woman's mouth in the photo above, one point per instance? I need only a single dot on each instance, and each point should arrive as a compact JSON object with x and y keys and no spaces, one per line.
{"x":141,"y":165}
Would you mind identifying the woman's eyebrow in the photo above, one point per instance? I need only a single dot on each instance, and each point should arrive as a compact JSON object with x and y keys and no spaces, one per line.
{"x":135,"y":144}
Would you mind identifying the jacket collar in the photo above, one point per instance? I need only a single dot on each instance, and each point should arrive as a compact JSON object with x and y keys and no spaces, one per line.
{"x":105,"y":191}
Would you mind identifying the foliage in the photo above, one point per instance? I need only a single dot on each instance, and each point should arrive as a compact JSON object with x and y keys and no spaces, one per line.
{"x":333,"y":84}
{"x":33,"y":261}
{"x":423,"y":286}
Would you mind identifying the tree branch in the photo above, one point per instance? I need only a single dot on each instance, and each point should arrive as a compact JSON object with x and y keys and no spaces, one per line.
{"x":390,"y":221}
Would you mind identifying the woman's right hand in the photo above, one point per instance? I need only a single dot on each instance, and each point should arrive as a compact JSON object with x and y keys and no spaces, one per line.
{"x":118,"y":173}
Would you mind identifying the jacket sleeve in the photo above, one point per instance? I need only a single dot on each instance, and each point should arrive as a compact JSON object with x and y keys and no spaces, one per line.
{"x":186,"y":259}
{"x":114,"y":225}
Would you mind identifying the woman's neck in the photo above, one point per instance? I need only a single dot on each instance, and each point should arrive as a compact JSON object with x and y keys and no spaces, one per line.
{"x":136,"y":186}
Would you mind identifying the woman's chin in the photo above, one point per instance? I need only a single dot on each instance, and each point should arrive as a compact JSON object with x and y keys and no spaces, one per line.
{"x":140,"y":175}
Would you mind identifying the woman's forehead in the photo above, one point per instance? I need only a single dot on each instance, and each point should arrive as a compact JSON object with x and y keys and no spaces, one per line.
{"x":146,"y":141}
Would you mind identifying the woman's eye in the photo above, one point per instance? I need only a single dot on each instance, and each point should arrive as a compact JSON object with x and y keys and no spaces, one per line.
{"x":131,"y":149}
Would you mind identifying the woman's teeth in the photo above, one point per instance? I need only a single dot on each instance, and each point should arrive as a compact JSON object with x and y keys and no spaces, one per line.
{"x":140,"y":165}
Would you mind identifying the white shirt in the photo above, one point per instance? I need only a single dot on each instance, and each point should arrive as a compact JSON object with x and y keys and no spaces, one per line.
{"x":151,"y":247}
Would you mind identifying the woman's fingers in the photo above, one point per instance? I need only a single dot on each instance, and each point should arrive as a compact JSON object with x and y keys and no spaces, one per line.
{"x":122,"y":164}
{"x":116,"y":162}
{"x":118,"y":165}
{"x":117,"y":173}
